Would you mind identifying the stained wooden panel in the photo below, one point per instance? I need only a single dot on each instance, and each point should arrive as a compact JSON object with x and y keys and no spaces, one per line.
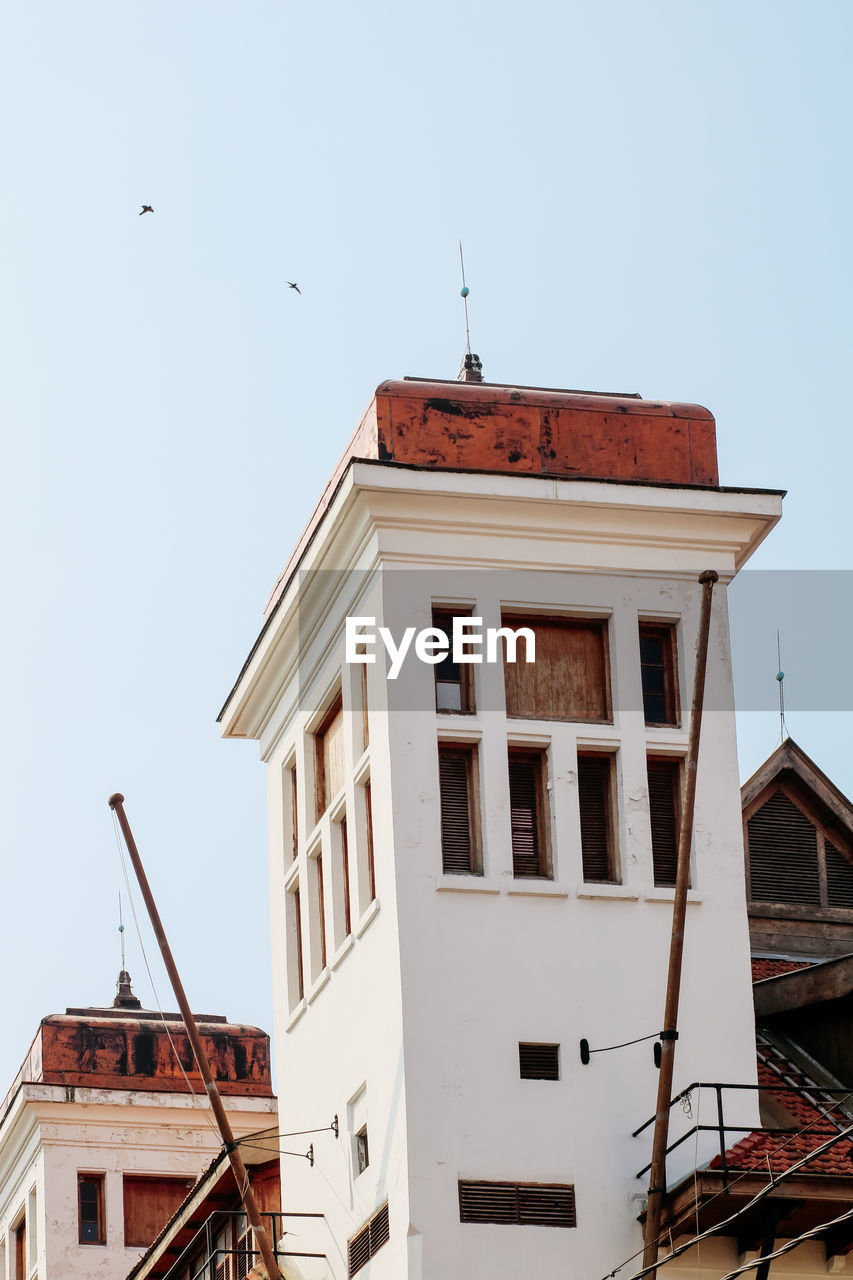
{"x":569,"y":679}
{"x":783,"y":864}
{"x":148,"y":1205}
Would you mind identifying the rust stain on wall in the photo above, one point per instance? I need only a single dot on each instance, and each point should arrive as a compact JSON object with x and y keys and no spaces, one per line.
{"x":136,"y":1054}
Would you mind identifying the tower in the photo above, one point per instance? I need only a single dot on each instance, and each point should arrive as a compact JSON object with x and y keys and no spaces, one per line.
{"x":102,"y":1133}
{"x":472,"y":857}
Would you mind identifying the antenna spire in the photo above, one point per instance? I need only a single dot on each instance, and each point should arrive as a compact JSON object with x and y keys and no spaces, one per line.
{"x":780,"y":678}
{"x":125,"y":999}
{"x":471,"y":369}
{"x":121,"y":930}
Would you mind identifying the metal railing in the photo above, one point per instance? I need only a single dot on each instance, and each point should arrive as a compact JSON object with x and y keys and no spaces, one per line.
{"x":818,"y":1097}
{"x":205,"y":1257}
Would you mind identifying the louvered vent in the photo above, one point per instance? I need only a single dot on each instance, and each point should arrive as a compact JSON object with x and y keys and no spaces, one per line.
{"x":368,"y":1241}
{"x":664,"y":781}
{"x":593,"y":802}
{"x":782,"y":854}
{"x":839,"y":877}
{"x":453,"y":773}
{"x":526,"y":860}
{"x":519,"y":1204}
{"x":539,"y":1061}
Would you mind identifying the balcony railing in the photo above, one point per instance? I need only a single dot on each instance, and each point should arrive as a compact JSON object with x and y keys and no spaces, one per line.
{"x":819,"y":1098}
{"x":223,"y":1247}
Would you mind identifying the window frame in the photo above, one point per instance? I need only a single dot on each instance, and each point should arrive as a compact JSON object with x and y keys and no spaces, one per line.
{"x":98,"y":1179}
{"x":442,"y":619}
{"x":471,"y":754}
{"x":608,"y":759}
{"x":322,"y":797}
{"x":515,"y":618}
{"x":539,"y":757}
{"x":676,"y":763}
{"x":667,"y":633}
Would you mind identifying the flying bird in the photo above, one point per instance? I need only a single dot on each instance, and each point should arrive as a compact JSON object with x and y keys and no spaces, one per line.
{"x":295,"y":286}
{"x":146,"y":208}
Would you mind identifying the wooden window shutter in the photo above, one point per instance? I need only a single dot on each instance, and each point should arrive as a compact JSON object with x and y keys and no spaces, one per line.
{"x":664,"y":805}
{"x":148,"y":1205}
{"x":517,"y":1203}
{"x":570,"y":678}
{"x":839,"y":878}
{"x":539,"y":1061}
{"x":783,"y":863}
{"x":525,"y":806}
{"x":455,"y":768}
{"x":595,"y":803}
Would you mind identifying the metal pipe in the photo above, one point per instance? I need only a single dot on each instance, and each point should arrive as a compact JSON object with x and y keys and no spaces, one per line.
{"x":241,"y":1177}
{"x":669,"y":1034}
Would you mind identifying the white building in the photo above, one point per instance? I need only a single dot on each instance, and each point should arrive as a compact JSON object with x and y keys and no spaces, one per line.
{"x":101,"y":1138}
{"x":470,"y":866}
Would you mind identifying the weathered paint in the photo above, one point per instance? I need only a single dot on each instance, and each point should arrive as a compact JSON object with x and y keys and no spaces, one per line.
{"x":132,"y":1053}
{"x":524,"y":430}
{"x":518,"y":429}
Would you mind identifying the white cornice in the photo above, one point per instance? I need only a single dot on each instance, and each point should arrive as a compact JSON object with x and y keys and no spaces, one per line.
{"x":384,"y":515}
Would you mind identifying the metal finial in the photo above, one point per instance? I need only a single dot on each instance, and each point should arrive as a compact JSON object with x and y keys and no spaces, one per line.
{"x":780,"y":679}
{"x":471,"y":369}
{"x":125,"y":999}
{"x":121,"y":931}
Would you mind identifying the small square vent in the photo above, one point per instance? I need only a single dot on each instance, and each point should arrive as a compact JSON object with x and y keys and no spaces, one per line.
{"x":539,"y":1061}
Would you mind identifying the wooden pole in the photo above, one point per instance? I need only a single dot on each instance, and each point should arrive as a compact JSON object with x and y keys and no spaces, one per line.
{"x":669,"y":1034}
{"x":241,"y":1177}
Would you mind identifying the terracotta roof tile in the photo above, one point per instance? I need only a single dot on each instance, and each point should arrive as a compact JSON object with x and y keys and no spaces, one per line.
{"x":812,"y":1111}
{"x":771,"y":967}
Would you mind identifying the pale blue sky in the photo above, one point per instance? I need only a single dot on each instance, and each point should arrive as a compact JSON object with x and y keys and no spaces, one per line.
{"x":653,"y":197}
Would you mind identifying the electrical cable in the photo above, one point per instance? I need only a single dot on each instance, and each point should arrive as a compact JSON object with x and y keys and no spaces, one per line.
{"x":733,"y":1183}
{"x":760,"y":1195}
{"x":197,"y":1100}
{"x":789,"y":1245}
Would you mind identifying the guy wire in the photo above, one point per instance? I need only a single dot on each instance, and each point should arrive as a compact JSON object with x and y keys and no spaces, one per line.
{"x":197,"y":1101}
